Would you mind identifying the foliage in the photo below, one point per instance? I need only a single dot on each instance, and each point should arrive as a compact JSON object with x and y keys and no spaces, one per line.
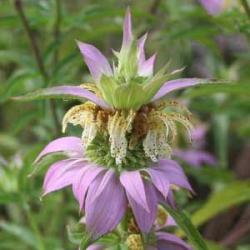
{"x":179,"y":30}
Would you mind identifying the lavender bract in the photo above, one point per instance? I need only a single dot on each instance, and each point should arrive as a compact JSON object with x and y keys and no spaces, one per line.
{"x":104,"y":194}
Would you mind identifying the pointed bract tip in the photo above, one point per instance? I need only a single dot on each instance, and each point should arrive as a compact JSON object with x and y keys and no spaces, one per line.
{"x":127,"y":29}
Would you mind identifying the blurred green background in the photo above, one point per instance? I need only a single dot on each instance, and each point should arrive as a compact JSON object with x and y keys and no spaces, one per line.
{"x":208,"y":46}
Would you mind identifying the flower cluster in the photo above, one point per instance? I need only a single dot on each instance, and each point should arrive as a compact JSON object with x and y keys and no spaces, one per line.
{"x":121,"y":166}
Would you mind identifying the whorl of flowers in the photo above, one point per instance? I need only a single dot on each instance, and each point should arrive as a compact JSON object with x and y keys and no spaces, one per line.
{"x":121,"y":164}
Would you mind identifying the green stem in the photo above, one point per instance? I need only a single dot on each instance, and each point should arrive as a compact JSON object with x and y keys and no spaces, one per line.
{"x":33,"y":224}
{"x":32,"y":40}
{"x":246,"y":7}
{"x":57,"y":26}
{"x":38,"y":57}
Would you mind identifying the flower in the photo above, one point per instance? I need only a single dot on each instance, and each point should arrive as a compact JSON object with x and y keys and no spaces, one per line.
{"x":104,"y":193}
{"x":215,"y":7}
{"x":196,"y":155}
{"x":125,"y":103}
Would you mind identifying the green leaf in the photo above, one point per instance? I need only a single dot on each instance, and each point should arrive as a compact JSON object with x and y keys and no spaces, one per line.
{"x":186,"y":225}
{"x":21,"y":233}
{"x":215,"y":88}
{"x":232,"y":194}
{"x":48,"y":93}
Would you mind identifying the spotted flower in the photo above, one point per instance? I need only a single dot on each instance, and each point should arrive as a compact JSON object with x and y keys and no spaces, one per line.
{"x":104,"y":194}
{"x":126,"y":101}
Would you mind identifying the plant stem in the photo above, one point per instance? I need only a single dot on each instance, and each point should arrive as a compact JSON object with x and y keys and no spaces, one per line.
{"x":246,"y":7}
{"x":38,"y":57}
{"x":57,"y":26}
{"x":33,"y":44}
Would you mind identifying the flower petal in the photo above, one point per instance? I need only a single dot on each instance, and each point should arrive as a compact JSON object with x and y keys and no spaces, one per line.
{"x":108,"y":176}
{"x":83,"y":181}
{"x":133,"y":184}
{"x":105,"y":212}
{"x":174,"y":173}
{"x":172,"y":85}
{"x":61,"y":174}
{"x":95,"y":60}
{"x":160,"y":181}
{"x":64,"y":91}
{"x":145,"y":219}
{"x":141,"y":51}
{"x":127,"y":30}
{"x":69,"y":144}
{"x":96,"y":247}
{"x":170,"y":241}
{"x":147,"y":67}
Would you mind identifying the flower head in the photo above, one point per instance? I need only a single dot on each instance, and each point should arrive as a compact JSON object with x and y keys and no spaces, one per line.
{"x":105,"y":194}
{"x":126,"y":107}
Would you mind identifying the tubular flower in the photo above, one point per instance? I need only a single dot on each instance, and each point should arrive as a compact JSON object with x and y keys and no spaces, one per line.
{"x":103,"y":193}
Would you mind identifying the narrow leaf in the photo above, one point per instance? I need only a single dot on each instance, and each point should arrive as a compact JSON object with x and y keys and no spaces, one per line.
{"x":186,"y":225}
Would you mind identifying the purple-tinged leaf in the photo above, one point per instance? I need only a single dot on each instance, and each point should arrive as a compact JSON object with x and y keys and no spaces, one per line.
{"x":127,"y":30}
{"x":61,"y":174}
{"x":95,"y":60}
{"x":69,"y":144}
{"x":141,"y":50}
{"x":65,"y":92}
{"x":173,"y":85}
{"x":147,"y":67}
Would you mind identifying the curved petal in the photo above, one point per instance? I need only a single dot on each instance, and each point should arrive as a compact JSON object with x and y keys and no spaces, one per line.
{"x":141,"y":50}
{"x":69,"y":144}
{"x":96,"y":247}
{"x":108,"y":176}
{"x":64,"y":91}
{"x":133,"y":184}
{"x":82,"y":182}
{"x":170,"y":241}
{"x":172,"y":85}
{"x":145,"y":219}
{"x":61,"y":174}
{"x":160,"y":181}
{"x":147,"y":67}
{"x":95,"y":60}
{"x":105,"y":212}
{"x":174,"y":173}
{"x":127,"y":30}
